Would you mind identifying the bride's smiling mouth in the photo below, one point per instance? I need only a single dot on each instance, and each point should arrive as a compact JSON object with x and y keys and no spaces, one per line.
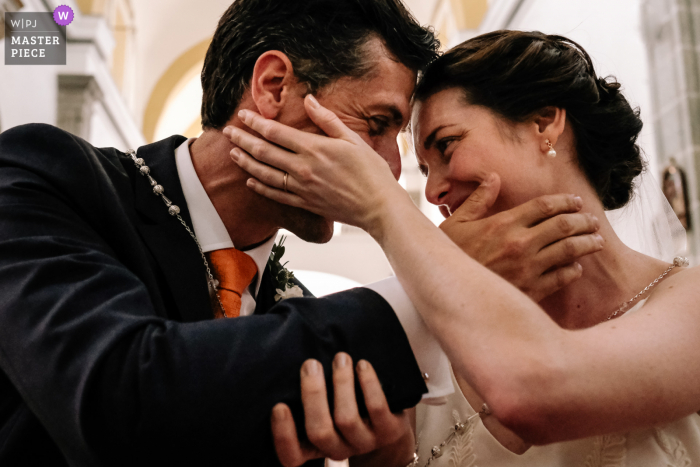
{"x":458,"y":195}
{"x":453,"y":206}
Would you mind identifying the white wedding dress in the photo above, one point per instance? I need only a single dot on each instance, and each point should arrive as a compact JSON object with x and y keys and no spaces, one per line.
{"x":674,"y":445}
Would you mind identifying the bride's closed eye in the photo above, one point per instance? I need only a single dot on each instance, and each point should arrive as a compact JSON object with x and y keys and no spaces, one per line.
{"x":443,"y":145}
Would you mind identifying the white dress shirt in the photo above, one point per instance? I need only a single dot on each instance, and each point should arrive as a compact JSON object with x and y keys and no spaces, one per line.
{"x":210,"y":229}
{"x":212,"y":235}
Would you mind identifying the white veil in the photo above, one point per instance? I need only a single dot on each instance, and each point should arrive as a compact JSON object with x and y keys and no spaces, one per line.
{"x":647,"y":223}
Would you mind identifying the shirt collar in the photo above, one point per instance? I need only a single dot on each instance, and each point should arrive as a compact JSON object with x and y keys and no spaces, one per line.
{"x":206,"y":223}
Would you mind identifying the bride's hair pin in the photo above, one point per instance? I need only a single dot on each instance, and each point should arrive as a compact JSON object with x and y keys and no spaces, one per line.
{"x":551,"y":153}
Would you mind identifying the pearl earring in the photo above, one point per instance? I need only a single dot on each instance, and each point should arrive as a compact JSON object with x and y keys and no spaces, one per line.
{"x":551,"y":153}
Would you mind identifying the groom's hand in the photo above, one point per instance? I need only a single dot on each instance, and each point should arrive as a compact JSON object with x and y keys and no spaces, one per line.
{"x":534,"y":246}
{"x":384,"y":439}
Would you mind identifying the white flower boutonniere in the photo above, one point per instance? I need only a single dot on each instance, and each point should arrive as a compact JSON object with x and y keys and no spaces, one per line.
{"x":282,"y":276}
{"x":289,"y":292}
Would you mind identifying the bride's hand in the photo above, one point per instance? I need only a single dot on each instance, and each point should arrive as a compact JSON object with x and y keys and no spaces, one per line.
{"x":338,"y":177}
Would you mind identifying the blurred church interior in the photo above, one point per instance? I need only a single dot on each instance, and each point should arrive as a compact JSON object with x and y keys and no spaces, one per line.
{"x":132,"y":77}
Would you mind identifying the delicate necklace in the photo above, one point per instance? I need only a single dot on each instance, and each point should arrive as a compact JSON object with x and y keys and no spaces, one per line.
{"x":678,"y":261}
{"x":174,"y":210}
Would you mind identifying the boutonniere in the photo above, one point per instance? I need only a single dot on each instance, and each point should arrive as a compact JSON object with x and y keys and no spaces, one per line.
{"x":282,"y":276}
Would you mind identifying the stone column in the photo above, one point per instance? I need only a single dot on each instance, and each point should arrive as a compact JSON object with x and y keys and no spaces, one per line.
{"x":77,"y":95}
{"x":672,"y":33}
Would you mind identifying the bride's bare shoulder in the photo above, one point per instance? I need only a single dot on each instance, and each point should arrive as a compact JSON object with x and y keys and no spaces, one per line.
{"x":681,"y":288}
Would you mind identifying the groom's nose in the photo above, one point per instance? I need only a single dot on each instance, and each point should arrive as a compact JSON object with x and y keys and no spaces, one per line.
{"x":392,"y":155}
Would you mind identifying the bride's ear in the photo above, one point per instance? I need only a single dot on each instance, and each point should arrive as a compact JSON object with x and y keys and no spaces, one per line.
{"x":550,"y":123}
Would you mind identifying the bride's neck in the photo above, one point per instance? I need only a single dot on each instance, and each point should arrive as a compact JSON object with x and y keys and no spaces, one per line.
{"x":610,"y":278}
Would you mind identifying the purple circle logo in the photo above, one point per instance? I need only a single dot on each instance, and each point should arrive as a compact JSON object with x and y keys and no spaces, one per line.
{"x":63,"y":15}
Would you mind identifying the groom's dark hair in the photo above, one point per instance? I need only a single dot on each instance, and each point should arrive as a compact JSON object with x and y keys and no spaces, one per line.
{"x":324,"y":39}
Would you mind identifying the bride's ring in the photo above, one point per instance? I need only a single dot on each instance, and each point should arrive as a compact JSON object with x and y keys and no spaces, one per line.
{"x":285,"y":182}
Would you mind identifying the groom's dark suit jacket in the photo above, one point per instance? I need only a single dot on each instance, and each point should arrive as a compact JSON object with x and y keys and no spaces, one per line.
{"x":108,"y":352}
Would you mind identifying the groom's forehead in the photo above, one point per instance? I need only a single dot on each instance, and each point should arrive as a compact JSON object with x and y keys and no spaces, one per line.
{"x":387,"y":90}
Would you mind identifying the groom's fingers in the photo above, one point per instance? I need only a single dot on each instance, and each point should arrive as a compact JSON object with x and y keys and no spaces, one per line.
{"x":564,"y":226}
{"x":479,"y":202}
{"x":445,"y":211}
{"x":346,"y":415}
{"x":544,"y":207}
{"x":556,"y":280}
{"x":320,"y":428}
{"x":284,"y":433}
{"x":387,"y":426}
{"x":568,"y":250}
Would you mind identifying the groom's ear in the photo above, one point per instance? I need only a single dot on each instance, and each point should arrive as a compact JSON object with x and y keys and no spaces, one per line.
{"x":273,"y":83}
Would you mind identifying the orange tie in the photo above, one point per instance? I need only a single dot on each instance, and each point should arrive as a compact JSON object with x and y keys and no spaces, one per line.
{"x":236,"y":271}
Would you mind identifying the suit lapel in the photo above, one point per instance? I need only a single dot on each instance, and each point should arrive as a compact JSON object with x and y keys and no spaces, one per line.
{"x":172,"y":247}
{"x":266,"y":295}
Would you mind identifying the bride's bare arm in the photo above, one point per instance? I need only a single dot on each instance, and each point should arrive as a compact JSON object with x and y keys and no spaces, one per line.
{"x":506,"y":437}
{"x":545,"y":383}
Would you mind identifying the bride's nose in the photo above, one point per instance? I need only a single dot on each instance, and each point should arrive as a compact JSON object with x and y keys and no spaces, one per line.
{"x":436,"y":188}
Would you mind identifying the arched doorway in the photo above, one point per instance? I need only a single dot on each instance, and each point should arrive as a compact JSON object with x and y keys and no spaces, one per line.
{"x":176,"y":88}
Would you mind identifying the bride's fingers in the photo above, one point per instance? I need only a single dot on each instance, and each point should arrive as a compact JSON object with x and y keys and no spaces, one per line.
{"x":287,"y":137}
{"x":327,"y":120}
{"x":264,"y":173}
{"x":262,"y":150}
{"x":290,"y":199}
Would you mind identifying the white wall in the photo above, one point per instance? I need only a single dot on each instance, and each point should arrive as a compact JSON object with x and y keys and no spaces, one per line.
{"x":103,"y":132}
{"x":165,"y":30}
{"x":355,"y":256}
{"x":28,"y":93}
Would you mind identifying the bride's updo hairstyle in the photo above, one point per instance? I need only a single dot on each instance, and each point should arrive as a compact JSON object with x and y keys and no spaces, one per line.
{"x":517,"y":74}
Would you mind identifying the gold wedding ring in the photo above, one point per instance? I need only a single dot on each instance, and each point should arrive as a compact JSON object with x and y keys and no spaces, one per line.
{"x":285,"y":182}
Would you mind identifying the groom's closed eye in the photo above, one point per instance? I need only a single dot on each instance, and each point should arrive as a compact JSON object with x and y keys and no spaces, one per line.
{"x":385,"y":116}
{"x":378,"y":125}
